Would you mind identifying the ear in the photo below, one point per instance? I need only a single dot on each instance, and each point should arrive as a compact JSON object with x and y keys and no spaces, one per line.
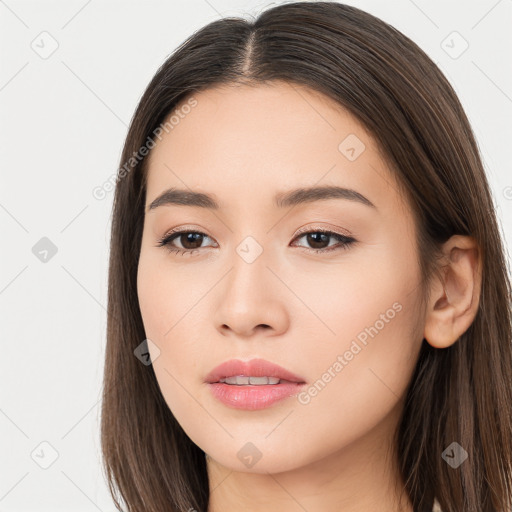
{"x":454,"y":299}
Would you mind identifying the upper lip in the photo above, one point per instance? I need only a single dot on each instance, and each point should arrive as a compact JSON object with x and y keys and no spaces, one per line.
{"x":252,"y":368}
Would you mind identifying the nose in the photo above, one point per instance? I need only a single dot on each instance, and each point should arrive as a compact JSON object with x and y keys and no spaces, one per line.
{"x":252,"y":300}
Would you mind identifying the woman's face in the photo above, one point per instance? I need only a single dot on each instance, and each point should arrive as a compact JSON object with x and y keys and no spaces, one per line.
{"x":340,"y":310}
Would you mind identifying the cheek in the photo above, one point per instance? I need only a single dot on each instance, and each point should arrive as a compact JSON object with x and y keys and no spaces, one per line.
{"x":343,"y":299}
{"x":364,"y":360}
{"x":358,"y":386}
{"x":161,"y":308}
{"x":166,"y":302}
{"x":165,"y":295}
{"x":152,"y":299}
{"x":370,"y":296}
{"x":357,"y":380}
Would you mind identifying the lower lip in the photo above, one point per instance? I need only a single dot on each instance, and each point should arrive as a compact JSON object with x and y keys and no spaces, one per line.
{"x":253,"y":397}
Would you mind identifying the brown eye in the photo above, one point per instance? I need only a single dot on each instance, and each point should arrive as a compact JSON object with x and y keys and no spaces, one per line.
{"x":318,"y":240}
{"x":189,"y":241}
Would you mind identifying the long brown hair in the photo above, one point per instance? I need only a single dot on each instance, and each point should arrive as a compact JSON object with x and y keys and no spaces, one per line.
{"x":459,"y":394}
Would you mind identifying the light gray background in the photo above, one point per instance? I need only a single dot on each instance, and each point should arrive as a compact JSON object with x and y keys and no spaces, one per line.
{"x":64,"y":119}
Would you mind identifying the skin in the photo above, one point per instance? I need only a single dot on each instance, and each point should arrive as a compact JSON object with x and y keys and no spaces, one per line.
{"x":243,"y":145}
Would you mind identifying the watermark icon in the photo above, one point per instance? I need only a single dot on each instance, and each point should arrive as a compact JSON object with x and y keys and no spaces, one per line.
{"x":249,"y":454}
{"x":44,"y":455}
{"x":249,"y":249}
{"x":454,"y":45}
{"x":454,"y":455}
{"x":351,"y":147}
{"x":45,"y":45}
{"x":44,"y":250}
{"x":304,"y":397}
{"x":144,"y":350}
{"x":507,"y":192}
{"x":100,"y":192}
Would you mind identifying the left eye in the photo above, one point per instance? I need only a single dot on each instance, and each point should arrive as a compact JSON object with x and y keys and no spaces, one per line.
{"x":191,"y":241}
{"x":318,"y":237}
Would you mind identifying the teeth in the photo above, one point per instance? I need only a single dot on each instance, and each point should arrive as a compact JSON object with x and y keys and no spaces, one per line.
{"x":241,"y":380}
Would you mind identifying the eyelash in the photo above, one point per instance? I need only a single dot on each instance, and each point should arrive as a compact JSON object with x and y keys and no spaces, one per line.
{"x":345,"y":241}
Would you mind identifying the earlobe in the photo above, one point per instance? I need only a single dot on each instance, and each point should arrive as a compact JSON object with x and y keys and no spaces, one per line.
{"x":455,"y":296}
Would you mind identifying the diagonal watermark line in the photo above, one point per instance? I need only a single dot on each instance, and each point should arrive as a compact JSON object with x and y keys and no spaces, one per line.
{"x":75,"y":15}
{"x":14,"y":76}
{"x":85,"y":85}
{"x":199,"y":403}
{"x":279,"y":220}
{"x":492,"y":81}
{"x":392,"y":185}
{"x":14,"y":424}
{"x":104,"y":391}
{"x":84,"y":288}
{"x":206,"y":1}
{"x":2,"y":2}
{"x":424,"y":14}
{"x":383,"y":382}
{"x":297,"y":91}
{"x":14,"y":486}
{"x":81,"y":491}
{"x":194,"y":305}
{"x":13,"y":279}
{"x":222,"y":481}
{"x":279,"y":423}
{"x":286,"y":491}
{"x":72,"y":220}
{"x":80,"y":420}
{"x":498,"y":2}
{"x":14,"y":218}
{"x":301,"y":300}
{"x":191,"y":191}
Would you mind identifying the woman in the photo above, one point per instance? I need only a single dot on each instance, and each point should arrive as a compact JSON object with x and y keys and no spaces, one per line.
{"x":309,"y":305}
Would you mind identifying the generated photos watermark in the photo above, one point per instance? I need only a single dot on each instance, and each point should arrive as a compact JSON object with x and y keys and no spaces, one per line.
{"x":342,"y":360}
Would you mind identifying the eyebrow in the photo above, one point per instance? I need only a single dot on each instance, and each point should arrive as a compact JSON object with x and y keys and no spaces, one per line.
{"x":176,"y":196}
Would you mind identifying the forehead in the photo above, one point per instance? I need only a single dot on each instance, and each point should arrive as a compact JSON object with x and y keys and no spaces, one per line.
{"x":242,"y":142}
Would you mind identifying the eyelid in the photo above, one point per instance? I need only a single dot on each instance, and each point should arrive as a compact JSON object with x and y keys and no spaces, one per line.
{"x":304,"y":229}
{"x":187,"y":228}
{"x":330,"y":228}
{"x":183,"y":229}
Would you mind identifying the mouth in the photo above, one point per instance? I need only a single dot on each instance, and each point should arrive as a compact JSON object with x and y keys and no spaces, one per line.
{"x":243,"y":380}
{"x":255,"y":372}
{"x":252,"y":385}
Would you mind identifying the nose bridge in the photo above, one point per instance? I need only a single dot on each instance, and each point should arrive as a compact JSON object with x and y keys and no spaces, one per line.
{"x":249,"y":297}
{"x":249,"y":277}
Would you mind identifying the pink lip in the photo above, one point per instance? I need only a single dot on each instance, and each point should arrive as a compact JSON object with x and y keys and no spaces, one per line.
{"x":252,"y":397}
{"x":252,"y":368}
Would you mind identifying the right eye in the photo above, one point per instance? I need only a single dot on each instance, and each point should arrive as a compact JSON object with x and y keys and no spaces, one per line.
{"x":192,"y":239}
